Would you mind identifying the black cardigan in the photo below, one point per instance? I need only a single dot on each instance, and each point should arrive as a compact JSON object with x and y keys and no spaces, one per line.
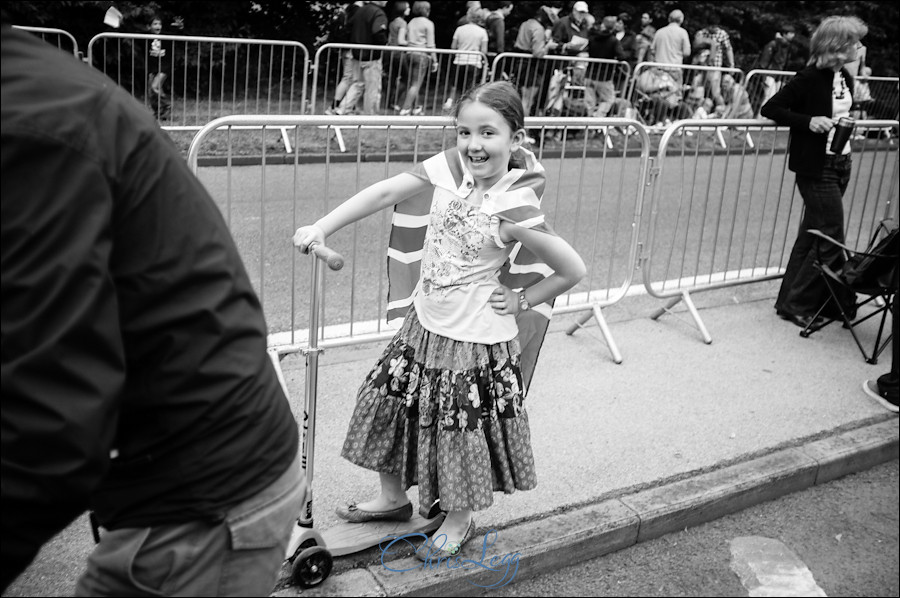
{"x":808,"y":94}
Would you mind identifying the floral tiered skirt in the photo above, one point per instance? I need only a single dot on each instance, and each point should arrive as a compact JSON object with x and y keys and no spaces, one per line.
{"x":446,"y":415}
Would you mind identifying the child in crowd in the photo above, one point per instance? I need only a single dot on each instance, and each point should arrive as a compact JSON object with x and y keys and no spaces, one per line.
{"x":159,"y":89}
{"x":705,"y":109}
{"x":444,"y":406}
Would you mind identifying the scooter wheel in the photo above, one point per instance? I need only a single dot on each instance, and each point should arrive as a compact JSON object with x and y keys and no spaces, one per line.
{"x":311,"y":567}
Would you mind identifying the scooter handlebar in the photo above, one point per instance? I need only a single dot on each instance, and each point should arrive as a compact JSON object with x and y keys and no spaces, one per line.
{"x":331,"y":257}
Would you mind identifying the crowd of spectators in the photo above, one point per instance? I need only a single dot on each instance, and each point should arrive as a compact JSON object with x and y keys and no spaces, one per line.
{"x":702,"y":81}
{"x":424,"y":67}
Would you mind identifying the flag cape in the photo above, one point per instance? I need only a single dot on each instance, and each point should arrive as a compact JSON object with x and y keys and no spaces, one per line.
{"x":518,"y":201}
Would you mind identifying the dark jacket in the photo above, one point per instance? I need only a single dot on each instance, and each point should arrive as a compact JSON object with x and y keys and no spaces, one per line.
{"x":603,"y":44}
{"x":129,"y":325}
{"x":808,"y":94}
{"x":629,"y":45}
{"x":565,"y":29}
{"x":775,"y":55}
{"x":496,"y":28}
{"x":368,"y":26}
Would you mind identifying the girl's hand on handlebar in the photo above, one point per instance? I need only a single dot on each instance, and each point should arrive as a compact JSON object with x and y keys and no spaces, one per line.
{"x":306,"y":236}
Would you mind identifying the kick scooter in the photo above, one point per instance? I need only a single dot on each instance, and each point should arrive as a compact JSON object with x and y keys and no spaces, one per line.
{"x":311,"y":551}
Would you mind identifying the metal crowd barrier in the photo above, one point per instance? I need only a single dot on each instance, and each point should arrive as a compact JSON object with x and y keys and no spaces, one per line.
{"x":719,"y":219}
{"x":557,"y":85}
{"x":401,"y":67}
{"x":593,"y":198}
{"x":693,"y":83}
{"x":882,"y":102}
{"x":762,"y":84}
{"x":204,"y":77}
{"x":60,"y":38}
{"x":878,"y":98}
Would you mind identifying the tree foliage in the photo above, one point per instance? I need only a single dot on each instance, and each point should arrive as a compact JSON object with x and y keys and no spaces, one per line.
{"x":751,"y":24}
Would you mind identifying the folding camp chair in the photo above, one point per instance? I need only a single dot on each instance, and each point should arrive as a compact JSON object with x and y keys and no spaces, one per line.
{"x":871,"y":274}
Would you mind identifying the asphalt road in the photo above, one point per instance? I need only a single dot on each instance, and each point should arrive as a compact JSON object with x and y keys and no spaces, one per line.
{"x":705,"y":214}
{"x":845,"y":533}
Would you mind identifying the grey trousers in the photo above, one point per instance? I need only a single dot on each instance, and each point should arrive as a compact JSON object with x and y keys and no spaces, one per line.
{"x":242,"y":556}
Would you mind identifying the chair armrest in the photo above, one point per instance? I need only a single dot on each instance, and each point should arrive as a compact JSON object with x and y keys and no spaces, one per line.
{"x":849,"y":251}
{"x":821,"y":235}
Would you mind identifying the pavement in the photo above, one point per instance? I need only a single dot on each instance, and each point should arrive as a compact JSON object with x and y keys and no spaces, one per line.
{"x":680,"y":433}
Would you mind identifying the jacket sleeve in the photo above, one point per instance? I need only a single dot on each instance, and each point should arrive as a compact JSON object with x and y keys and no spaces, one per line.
{"x":63,"y":363}
{"x":729,"y":53}
{"x":537,"y":43}
{"x":620,"y":51}
{"x":784,"y":106}
{"x":380,"y":29}
{"x":685,"y":45}
{"x":429,"y":37}
{"x":559,"y":33}
{"x":765,"y":58}
{"x":497,"y":30}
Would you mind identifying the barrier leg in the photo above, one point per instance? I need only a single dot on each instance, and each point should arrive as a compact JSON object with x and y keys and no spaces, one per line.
{"x":665,"y":309}
{"x":696,"y":315}
{"x":597,"y":314}
{"x":721,"y":137}
{"x":337,"y":136}
{"x":286,"y":141}
{"x":582,"y":319}
{"x":691,"y":308}
{"x":340,"y":139}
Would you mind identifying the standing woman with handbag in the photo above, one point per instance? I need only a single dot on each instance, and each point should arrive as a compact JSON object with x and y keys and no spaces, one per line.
{"x":811,"y":103}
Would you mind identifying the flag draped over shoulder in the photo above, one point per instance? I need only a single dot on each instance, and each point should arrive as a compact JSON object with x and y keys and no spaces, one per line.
{"x":518,"y":201}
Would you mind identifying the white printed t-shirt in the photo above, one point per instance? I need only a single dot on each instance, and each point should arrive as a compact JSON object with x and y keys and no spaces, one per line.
{"x":515,"y":199}
{"x":461,"y":259}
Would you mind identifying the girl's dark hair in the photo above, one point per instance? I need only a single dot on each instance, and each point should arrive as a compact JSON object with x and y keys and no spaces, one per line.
{"x":502,"y":97}
{"x":499,"y":95}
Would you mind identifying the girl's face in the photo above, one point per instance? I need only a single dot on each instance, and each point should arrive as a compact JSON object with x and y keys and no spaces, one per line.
{"x":156,"y":25}
{"x":485,"y":141}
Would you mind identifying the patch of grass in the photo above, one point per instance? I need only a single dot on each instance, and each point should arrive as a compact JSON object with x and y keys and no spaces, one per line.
{"x":310,"y":142}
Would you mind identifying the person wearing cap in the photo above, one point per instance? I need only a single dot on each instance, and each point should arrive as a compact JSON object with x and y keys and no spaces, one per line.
{"x":576,"y":23}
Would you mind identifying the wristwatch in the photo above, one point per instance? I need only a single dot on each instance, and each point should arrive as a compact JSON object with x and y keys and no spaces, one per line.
{"x":523,"y":302}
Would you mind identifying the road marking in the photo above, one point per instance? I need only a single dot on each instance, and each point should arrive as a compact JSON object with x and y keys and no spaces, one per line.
{"x":767,"y":567}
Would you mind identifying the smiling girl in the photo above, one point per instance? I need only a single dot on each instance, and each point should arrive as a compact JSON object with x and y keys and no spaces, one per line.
{"x":443,"y":407}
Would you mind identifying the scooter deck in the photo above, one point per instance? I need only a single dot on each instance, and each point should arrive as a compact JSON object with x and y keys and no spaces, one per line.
{"x":347,"y":538}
